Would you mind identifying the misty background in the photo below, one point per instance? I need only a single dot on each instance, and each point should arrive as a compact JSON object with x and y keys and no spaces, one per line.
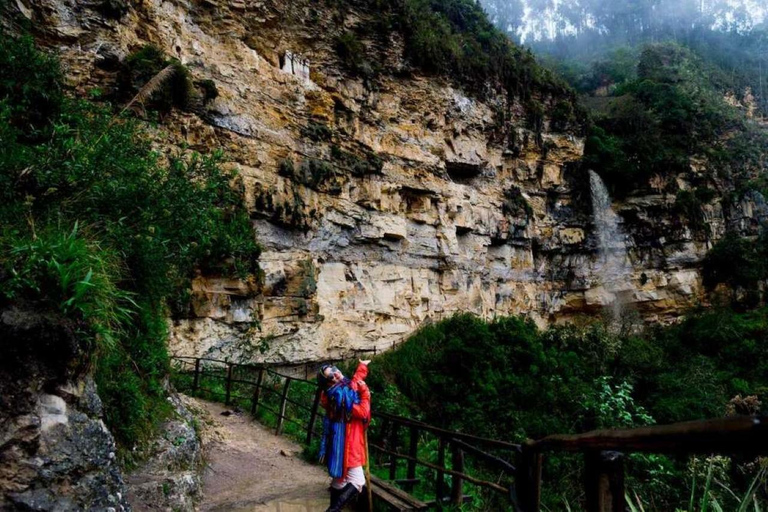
{"x":581,"y":38}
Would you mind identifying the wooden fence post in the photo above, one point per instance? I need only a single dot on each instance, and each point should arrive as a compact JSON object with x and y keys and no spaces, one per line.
{"x":393,"y":448}
{"x":604,"y":481}
{"x":528,"y":480}
{"x":313,"y":416}
{"x":229,"y":383}
{"x":257,"y":392}
{"x":440,"y":483}
{"x":457,"y":464}
{"x":196,"y":382}
{"x":283,"y":402}
{"x":413,"y":452}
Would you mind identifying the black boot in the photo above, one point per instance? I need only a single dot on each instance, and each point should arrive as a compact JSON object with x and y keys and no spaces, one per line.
{"x":334,"y":496}
{"x":347,"y":494}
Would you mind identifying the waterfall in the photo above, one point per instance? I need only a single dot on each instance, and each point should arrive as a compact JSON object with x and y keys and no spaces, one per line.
{"x":613,"y":266}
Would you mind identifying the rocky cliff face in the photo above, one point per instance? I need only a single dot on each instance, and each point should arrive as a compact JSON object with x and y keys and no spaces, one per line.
{"x":55,"y":451}
{"x":380,"y":203}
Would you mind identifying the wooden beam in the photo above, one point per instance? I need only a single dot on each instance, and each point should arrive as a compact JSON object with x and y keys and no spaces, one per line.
{"x":283,"y":402}
{"x":449,"y":433}
{"x":604,"y":481}
{"x":457,"y":464}
{"x":528,"y":480}
{"x":257,"y":393}
{"x":413,"y":452}
{"x":440,"y":483}
{"x":468,"y":478}
{"x":743,"y":434}
{"x":229,"y":383}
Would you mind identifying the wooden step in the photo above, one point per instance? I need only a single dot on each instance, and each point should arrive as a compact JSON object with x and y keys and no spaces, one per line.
{"x":396,"y":498}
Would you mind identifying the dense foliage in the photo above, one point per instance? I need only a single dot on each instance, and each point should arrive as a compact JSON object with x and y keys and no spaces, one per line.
{"x":451,"y":37}
{"x":507,"y":379}
{"x":671,"y":111}
{"x":96,"y":225}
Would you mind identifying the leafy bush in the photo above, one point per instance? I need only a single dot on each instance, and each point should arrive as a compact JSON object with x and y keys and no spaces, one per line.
{"x":455,"y":38}
{"x":737,"y":262}
{"x":317,"y":132}
{"x":35,"y":102}
{"x":352,"y":53}
{"x":144,"y":65}
{"x":65,"y":271}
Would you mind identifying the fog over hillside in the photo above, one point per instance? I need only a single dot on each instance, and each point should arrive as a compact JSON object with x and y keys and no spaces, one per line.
{"x":535,"y":20}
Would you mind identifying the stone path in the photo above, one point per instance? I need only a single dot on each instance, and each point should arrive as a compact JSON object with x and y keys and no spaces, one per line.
{"x":249,"y":469}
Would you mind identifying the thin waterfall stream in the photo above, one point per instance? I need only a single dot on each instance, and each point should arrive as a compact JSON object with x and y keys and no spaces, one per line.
{"x":613,"y":266}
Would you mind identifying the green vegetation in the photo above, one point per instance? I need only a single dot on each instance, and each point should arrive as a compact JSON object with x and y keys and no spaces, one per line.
{"x":739,"y":263}
{"x":672,"y":111}
{"x":99,"y":227}
{"x":174,"y":91}
{"x":506,"y":379}
{"x":317,"y":132}
{"x":29,"y":108}
{"x":453,"y":38}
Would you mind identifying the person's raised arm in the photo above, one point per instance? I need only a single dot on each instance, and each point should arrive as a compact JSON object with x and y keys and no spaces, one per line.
{"x":362,"y":410}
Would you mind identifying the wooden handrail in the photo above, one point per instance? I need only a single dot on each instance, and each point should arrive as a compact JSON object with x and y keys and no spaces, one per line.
{"x":721,"y":435}
{"x":495,"y":443}
{"x":468,"y":478}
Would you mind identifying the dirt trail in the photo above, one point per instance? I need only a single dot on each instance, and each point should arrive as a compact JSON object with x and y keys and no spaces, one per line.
{"x":249,"y":469}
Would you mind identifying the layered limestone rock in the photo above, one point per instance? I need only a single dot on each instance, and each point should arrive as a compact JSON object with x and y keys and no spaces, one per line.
{"x":381,"y":203}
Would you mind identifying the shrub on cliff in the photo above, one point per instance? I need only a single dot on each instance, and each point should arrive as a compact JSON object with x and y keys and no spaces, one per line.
{"x":32,"y":104}
{"x":144,"y":65}
{"x":97,"y":225}
{"x":456,"y":39}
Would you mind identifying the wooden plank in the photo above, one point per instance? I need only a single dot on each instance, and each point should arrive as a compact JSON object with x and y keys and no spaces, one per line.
{"x":440,"y":477}
{"x":528,"y":480}
{"x":604,"y":481}
{"x":196,"y":382}
{"x":457,"y":464}
{"x":393,"y":448}
{"x":229,"y":384}
{"x":415,"y":503}
{"x":743,"y":434}
{"x":313,"y":415}
{"x":413,"y":452}
{"x":391,"y":500}
{"x":281,"y":416}
{"x":257,"y":392}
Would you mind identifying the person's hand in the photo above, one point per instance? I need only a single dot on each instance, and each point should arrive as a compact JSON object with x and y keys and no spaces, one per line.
{"x":364,"y":361}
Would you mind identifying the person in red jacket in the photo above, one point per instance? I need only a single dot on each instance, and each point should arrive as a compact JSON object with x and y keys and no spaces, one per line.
{"x":347,"y":403}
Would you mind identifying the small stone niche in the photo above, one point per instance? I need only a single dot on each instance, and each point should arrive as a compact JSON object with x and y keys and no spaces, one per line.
{"x":295,"y":64}
{"x":463,"y":171}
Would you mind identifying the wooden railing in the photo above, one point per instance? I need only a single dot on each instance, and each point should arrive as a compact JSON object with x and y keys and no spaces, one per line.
{"x":397,"y":439}
{"x":250,"y":385}
{"x":604,"y":454}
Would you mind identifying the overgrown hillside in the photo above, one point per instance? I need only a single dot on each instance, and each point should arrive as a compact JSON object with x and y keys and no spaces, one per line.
{"x":668,"y":115}
{"x":100,"y":229}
